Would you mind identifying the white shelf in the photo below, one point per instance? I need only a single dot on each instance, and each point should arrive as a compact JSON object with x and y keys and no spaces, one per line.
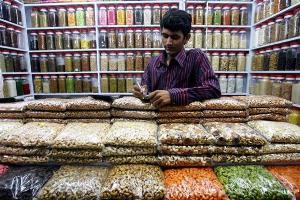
{"x":10,"y":23}
{"x":11,"y":48}
{"x":236,"y":50}
{"x":23,"y":96}
{"x":136,"y":2}
{"x":61,"y":27}
{"x":275,"y":72}
{"x":128,"y":26}
{"x":234,"y":94}
{"x":56,"y":73}
{"x":277,"y":14}
{"x":196,"y":2}
{"x":58,"y":4}
{"x":63,"y":94}
{"x":132,"y":49}
{"x":227,"y":26}
{"x":296,"y":105}
{"x":277,"y":43}
{"x":121,"y":72}
{"x":14,"y":73}
{"x":231,"y":72}
{"x":230,"y":2}
{"x":63,"y":50}
{"x":18,"y":2}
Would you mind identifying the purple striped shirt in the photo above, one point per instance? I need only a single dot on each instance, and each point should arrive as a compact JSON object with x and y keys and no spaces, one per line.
{"x":188,"y":78}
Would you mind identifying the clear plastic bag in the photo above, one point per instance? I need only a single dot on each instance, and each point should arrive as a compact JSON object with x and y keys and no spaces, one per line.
{"x":132,"y":103}
{"x":225,"y":119}
{"x":224,"y":103}
{"x":275,"y":159}
{"x":88,"y":120}
{"x":23,"y":182}
{"x":234,"y":134}
{"x":81,"y":136}
{"x":277,"y":132}
{"x":10,"y":159}
{"x":87,"y":114}
{"x":264,"y":101}
{"x":133,"y":114}
{"x":289,"y":177}
{"x":225,"y":113}
{"x":74,"y":153}
{"x":194,"y":106}
{"x":193,"y":183}
{"x":5,"y":126}
{"x":282,"y":111}
{"x":74,"y":182}
{"x":139,"y":159}
{"x":20,"y":151}
{"x":280,"y":148}
{"x":51,"y":104}
{"x":37,"y":120}
{"x":187,"y":114}
{"x":36,"y":134}
{"x":184,"y":134}
{"x":128,"y":151}
{"x":226,"y":159}
{"x":76,"y":161}
{"x":178,"y":120}
{"x":184,"y":161}
{"x":12,"y":115}
{"x":132,"y":133}
{"x":87,"y":103}
{"x":251,"y":182}
{"x":134,"y":182}
{"x":45,"y":115}
{"x":271,"y":117}
{"x":13,"y":107}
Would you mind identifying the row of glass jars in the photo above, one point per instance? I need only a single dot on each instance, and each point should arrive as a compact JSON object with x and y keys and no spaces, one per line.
{"x":286,"y":57}
{"x":222,"y":61}
{"x":146,"y":14}
{"x":66,"y":84}
{"x":118,"y":83}
{"x":10,"y":12}
{"x":217,"y":15}
{"x":15,"y":86}
{"x":63,"y":40}
{"x":283,"y":27}
{"x":231,"y":83}
{"x":12,"y":61}
{"x":10,"y":36}
{"x":130,"y":38}
{"x":64,"y":62}
{"x":63,"y":16}
{"x":287,"y":87}
{"x":131,"y":61}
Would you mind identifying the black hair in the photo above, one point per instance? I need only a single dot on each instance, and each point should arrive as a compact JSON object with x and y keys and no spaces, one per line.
{"x":177,"y":20}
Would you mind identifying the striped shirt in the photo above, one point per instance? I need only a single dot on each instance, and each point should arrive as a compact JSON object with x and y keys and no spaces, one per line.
{"x":189,"y":77}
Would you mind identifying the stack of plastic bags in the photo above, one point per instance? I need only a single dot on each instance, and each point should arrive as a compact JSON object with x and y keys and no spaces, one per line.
{"x":79,"y":143}
{"x":284,"y":141}
{"x":264,"y":107}
{"x":180,"y":114}
{"x":28,"y":143}
{"x":131,"y":142}
{"x":12,"y":111}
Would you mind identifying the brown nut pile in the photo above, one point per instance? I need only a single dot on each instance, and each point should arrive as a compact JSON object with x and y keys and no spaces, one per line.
{"x":139,"y":159}
{"x":87,"y":103}
{"x":225,"y":113}
{"x":264,"y":101}
{"x":132,"y":114}
{"x":131,"y":103}
{"x":87,"y":114}
{"x":224,"y":103}
{"x":194,"y":106}
{"x":184,"y":161}
{"x":10,"y":159}
{"x":286,"y":158}
{"x":20,"y":151}
{"x":51,"y":104}
{"x":45,"y":115}
{"x":280,"y":148}
{"x":128,"y":151}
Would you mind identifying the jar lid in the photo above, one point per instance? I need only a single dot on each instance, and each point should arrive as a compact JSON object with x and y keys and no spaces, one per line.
{"x":52,"y":55}
{"x":165,"y":5}
{"x":53,"y":76}
{"x":13,"y":53}
{"x":103,"y":54}
{"x":70,"y":76}
{"x":244,"y":8}
{"x":121,"y":53}
{"x":93,"y":53}
{"x":79,"y":8}
{"x":43,"y":55}
{"x":76,"y":54}
{"x":288,"y":15}
{"x":68,"y":54}
{"x":52,"y":10}
{"x":231,"y":75}
{"x":50,"y":33}
{"x":271,"y":22}
{"x":62,"y":8}
{"x":33,"y":33}
{"x":147,"y":30}
{"x":46,"y":76}
{"x":198,"y":31}
{"x":285,"y":47}
{"x":71,"y":9}
{"x":37,"y":76}
{"x":86,"y":76}
{"x":276,"y":48}
{"x":241,"y":54}
{"x":190,"y":6}
{"x":67,"y":32}
{"x":279,"y":19}
{"x":199,"y":6}
{"x":21,"y":54}
{"x":43,"y":10}
{"x":290,"y":77}
{"x":217,"y":7}
{"x":61,"y":76}
{"x":42,"y":33}
{"x":235,"y":8}
{"x":139,"y":6}
{"x":226,"y":7}
{"x":129,"y":7}
{"x":224,"y":54}
{"x":215,"y":53}
{"x":239,"y":76}
{"x":234,"y":30}
{"x":34,"y":55}
{"x":232,"y":54}
{"x":78,"y":76}
{"x":130,"y":53}
{"x":58,"y":32}
{"x":217,"y":30}
{"x":103,"y":30}
{"x":121,"y":6}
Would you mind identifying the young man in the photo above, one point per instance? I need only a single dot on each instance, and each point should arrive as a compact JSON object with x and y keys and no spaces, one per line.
{"x":178,"y":76}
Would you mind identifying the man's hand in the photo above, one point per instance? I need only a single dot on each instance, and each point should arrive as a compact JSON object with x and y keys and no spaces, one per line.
{"x":137,"y":92}
{"x":160,"y":98}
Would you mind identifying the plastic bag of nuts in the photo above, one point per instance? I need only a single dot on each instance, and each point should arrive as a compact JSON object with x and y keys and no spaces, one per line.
{"x":131,"y":103}
{"x":286,"y":158}
{"x":87,"y":103}
{"x":134,"y":182}
{"x":20,"y":151}
{"x":12,"y":115}
{"x":282,"y":111}
{"x":10,"y":159}
{"x":58,"y":121}
{"x":178,"y":120}
{"x":234,"y":134}
{"x":5,"y":126}
{"x":74,"y":182}
{"x":51,"y":104}
{"x":133,"y":114}
{"x":87,"y":114}
{"x":271,"y":117}
{"x":76,"y":161}
{"x":225,"y":113}
{"x":132,"y":133}
{"x":225,"y":119}
{"x":104,"y":120}
{"x":235,"y":159}
{"x":128,"y":151}
{"x":277,"y":132}
{"x":45,"y":115}
{"x":280,"y":148}
{"x":224,"y":103}
{"x":81,"y":136}
{"x":136,"y":159}
{"x":264,"y":101}
{"x":13,"y":107}
{"x":184,"y":134}
{"x":187,"y":114}
{"x":184,"y":161}
{"x":74,"y":153}
{"x":194,"y":106}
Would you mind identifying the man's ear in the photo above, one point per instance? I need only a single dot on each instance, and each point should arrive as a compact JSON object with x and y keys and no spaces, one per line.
{"x":187,"y":38}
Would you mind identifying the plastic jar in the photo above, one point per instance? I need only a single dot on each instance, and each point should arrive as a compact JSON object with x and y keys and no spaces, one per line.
{"x":121,"y":84}
{"x":130,"y":61}
{"x":165,"y":8}
{"x":58,"y":40}
{"x":243,"y":40}
{"x":217,"y":39}
{"x":147,"y":38}
{"x":139,"y":61}
{"x":46,"y":84}
{"x":104,"y":83}
{"x":50,"y":40}
{"x":190,"y":43}
{"x":112,"y":39}
{"x":244,"y":16}
{"x":199,"y":15}
{"x":33,"y":41}
{"x":70,"y":84}
{"x":292,"y":56}
{"x":272,"y":31}
{"x":147,"y":58}
{"x":287,"y":85}
{"x":60,"y":63}
{"x":198,"y":38}
{"x":138,"y":38}
{"x":61,"y":84}
{"x":76,"y":40}
{"x":121,"y":62}
{"x":62,"y":17}
{"x":84,"y":40}
{"x":85,"y":62}
{"x":223,"y":83}
{"x":129,"y":83}
{"x":266,"y":61}
{"x":53,"y":84}
{"x":226,"y":39}
{"x":67,"y":40}
{"x":215,"y":61}
{"x":121,"y":38}
{"x":287,"y":21}
{"x":129,"y":38}
{"x":239,"y":85}
{"x":89,"y":16}
{"x":71,"y":17}
{"x":138,"y":15}
{"x":129,"y":15}
{"x":231,"y":83}
{"x":282,"y":57}
{"x":19,"y":86}
{"x":296,"y":91}
{"x":35,"y":63}
{"x":34,"y":16}
{"x":274,"y":57}
{"x":76,"y":62}
{"x":87,"y":84}
{"x":209,"y":39}
{"x":209,"y":17}
{"x":224,"y":62}
{"x":94,"y":83}
{"x":102,"y":16}
{"x":232,"y":64}
{"x":43,"y":17}
{"x":52,"y":63}
{"x":120,"y":15}
{"x":53,"y":18}
{"x":235,"y":16}
{"x":156,"y":39}
{"x":147,"y":14}
{"x":258,"y":12}
{"x":190,"y":10}
{"x":78,"y":84}
{"x":217,"y":15}
{"x":103,"y":39}
{"x":276,"y":85}
{"x":44,"y":63}
{"x":226,"y":15}
{"x":93,"y":62}
{"x":38,"y":84}
{"x":241,"y":62}
{"x":42,"y":41}
{"x":112,"y":62}
{"x":68,"y":62}
{"x":80,"y":16}
{"x":104,"y":62}
{"x":235,"y":38}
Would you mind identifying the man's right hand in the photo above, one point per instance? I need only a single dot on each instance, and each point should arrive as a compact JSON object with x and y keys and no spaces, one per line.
{"x":137,"y":92}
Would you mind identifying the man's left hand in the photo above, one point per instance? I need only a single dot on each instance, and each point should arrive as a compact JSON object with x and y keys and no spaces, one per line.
{"x":160,"y":98}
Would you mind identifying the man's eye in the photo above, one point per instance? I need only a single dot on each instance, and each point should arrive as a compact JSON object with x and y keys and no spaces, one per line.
{"x":165,"y":36}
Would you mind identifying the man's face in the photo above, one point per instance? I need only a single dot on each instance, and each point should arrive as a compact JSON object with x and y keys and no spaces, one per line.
{"x":173,"y":41}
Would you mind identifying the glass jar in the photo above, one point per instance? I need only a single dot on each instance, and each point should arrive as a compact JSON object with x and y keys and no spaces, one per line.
{"x":70,"y":84}
{"x":217,"y":39}
{"x":35,"y":63}
{"x":198,"y":38}
{"x":13,"y":57}
{"x":130,"y":61}
{"x":209,"y":17}
{"x":209,"y":39}
{"x":53,"y":18}
{"x":199,"y":15}
{"x":84,"y":40}
{"x":272,"y":32}
{"x":58,"y":40}
{"x":121,"y":38}
{"x":147,"y":14}
{"x":147,"y":58}
{"x":129,"y":38}
{"x":274,"y":56}
{"x":121,"y":65}
{"x":104,"y":62}
{"x":34,"y":16}
{"x":113,"y":83}
{"x":262,"y":35}
{"x":41,"y":41}
{"x":232,"y":64}
{"x":60,"y":63}
{"x":129,"y":83}
{"x":266,"y":9}
{"x":120,"y":15}
{"x":38,"y":84}
{"x":258,"y":12}
{"x":265,"y":86}
{"x":226,"y":15}
{"x":6,"y":10}
{"x":19,"y":86}
{"x":239,"y":85}
{"x":50,"y":40}
{"x":62,"y":17}
{"x":292,"y":56}
{"x":112,"y":39}
{"x":80,"y":16}
{"x":129,"y":15}
{"x":147,"y":38}
{"x":165,"y":8}
{"x":85,"y":62}
{"x":138,"y":15}
{"x":121,"y":84}
{"x":282,"y":58}
{"x":235,"y":16}
{"x":287,"y":21}
{"x":156,"y":39}
{"x":298,"y":60}
{"x":33,"y":41}
{"x":235,"y":37}
{"x":53,"y":84}
{"x":231,"y":83}
{"x":281,"y":26}
{"x":52,"y":63}
{"x":139,"y":61}
{"x":190,"y":43}
{"x":104,"y":83}
{"x":46,"y":84}
{"x":267,"y":55}
{"x":87,"y":84}
{"x":76,"y":40}
{"x":224,"y":62}
{"x":113,"y":62}
{"x":44,"y":63}
{"x":71,"y":16}
{"x":217,"y":15}
{"x":94,"y":83}
{"x":76,"y":62}
{"x":244,"y":16}
{"x":67,"y":40}
{"x":190,"y":10}
{"x":68,"y":62}
{"x":89,"y":16}
{"x":256,"y":37}
{"x":287,"y":86}
{"x":138,"y":38}
{"x":215,"y":61}
{"x":226,"y":39}
{"x":10,"y":35}
{"x":22,"y":62}
{"x":241,"y":62}
{"x":260,"y":61}
{"x":103,"y":16}
{"x":93,"y":62}
{"x":243,"y":40}
{"x":78,"y":84}
{"x":103,"y":39}
{"x":296,"y":91}
{"x":223,"y":83}
{"x":276,"y":85}
{"x":43,"y":17}
{"x":61,"y":84}
{"x":267,"y":35}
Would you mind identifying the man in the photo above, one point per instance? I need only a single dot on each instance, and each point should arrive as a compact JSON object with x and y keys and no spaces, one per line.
{"x":178,"y":76}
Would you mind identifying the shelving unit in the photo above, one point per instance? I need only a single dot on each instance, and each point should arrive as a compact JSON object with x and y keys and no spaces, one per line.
{"x":275,"y":72}
{"x":278,"y":43}
{"x":12,"y":48}
{"x":11,"y":24}
{"x":60,"y":28}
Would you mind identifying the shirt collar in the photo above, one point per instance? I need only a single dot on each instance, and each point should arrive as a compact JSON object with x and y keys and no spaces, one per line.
{"x":180,"y":58}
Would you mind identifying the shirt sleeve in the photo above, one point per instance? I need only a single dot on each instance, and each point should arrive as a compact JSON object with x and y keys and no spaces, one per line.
{"x":146,"y":79}
{"x":207,"y":84}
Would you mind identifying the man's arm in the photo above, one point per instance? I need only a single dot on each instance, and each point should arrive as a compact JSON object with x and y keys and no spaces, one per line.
{"x":207,"y":85}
